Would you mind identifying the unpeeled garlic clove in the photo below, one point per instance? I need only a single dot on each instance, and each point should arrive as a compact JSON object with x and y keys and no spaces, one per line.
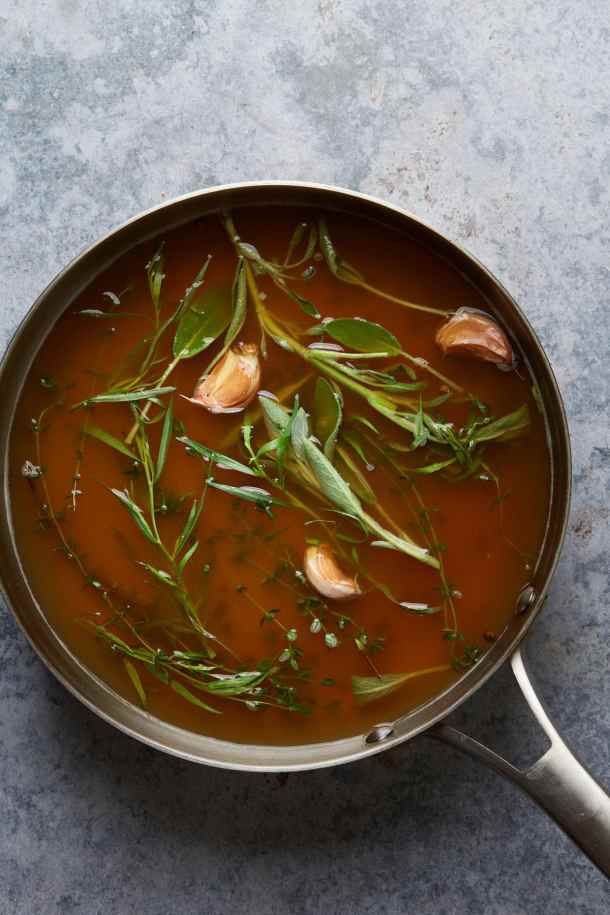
{"x":473,"y":334}
{"x":325,"y":575}
{"x":232,"y":383}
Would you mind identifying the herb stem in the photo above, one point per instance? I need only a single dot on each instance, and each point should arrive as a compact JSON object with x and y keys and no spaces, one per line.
{"x":392,"y":298}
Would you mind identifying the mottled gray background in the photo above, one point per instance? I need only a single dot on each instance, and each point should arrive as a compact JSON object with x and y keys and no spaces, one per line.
{"x":490,"y":119}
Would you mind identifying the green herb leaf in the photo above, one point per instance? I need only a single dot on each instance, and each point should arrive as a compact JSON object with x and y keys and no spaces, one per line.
{"x":136,"y":513}
{"x":366,"y":423}
{"x":239,"y":305}
{"x":102,"y":436}
{"x":432,"y":468}
{"x":189,"y":526}
{"x":166,"y":435}
{"x":201,"y":323}
{"x":340,"y":268}
{"x":255,"y":494}
{"x":160,"y":574}
{"x":275,"y":415}
{"x":419,"y":609}
{"x":237,"y":684}
{"x":365,"y":689}
{"x":128,"y":396}
{"x":356,"y":478}
{"x":304,"y":304}
{"x":328,"y":412}
{"x":155,"y":274}
{"x":299,"y":432}
{"x":363,"y":336}
{"x":297,"y":237}
{"x":505,"y":428}
{"x":222,"y":461}
{"x":330,"y":481}
{"x":188,"y":695}
{"x":188,"y":556}
{"x":134,"y":676}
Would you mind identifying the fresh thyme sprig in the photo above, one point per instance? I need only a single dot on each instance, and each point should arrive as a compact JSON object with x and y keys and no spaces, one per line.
{"x":182,"y":670}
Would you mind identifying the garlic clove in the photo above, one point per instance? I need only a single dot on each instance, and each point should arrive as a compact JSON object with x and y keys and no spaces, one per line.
{"x":475,"y":335}
{"x":232,"y":383}
{"x":325,"y":575}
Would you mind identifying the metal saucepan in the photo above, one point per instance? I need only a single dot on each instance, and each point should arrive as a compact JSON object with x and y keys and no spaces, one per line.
{"x":557,"y":781}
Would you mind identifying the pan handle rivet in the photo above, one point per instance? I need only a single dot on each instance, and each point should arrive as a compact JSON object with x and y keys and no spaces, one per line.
{"x":526,"y":599}
{"x":380,"y":732}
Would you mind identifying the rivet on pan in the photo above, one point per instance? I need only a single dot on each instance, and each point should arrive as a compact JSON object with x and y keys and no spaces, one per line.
{"x":380,"y":732}
{"x":526,"y":599}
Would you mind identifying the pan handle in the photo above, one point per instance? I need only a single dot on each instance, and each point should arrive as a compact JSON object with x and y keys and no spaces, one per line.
{"x":557,"y":781}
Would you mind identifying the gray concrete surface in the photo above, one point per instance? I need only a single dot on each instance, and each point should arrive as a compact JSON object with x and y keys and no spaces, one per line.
{"x":492,"y":121}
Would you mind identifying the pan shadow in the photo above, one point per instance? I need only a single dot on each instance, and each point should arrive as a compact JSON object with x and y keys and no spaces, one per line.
{"x":421,"y":781}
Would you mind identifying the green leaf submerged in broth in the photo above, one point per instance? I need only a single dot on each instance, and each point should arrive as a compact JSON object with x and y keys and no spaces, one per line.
{"x":363,"y":336}
{"x":202,"y":322}
{"x":107,"y":439}
{"x":166,"y":434}
{"x":127,"y":396}
{"x":239,"y":306}
{"x":327,"y":415}
{"x":222,"y":461}
{"x":366,"y":689}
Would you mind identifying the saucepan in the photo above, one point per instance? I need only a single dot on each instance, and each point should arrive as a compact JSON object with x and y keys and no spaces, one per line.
{"x":557,"y":781}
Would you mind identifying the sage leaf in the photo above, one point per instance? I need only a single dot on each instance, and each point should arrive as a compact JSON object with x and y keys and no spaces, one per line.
{"x":328,"y":412}
{"x":201,"y":323}
{"x":356,"y":478}
{"x":239,"y":305}
{"x":299,"y":433}
{"x":331,"y":483}
{"x":363,"y":336}
{"x":275,"y":415}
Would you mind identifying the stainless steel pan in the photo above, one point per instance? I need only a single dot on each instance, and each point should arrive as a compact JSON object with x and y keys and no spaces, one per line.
{"x":557,"y":781}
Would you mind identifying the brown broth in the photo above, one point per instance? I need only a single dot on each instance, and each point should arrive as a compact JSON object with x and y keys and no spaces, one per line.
{"x":488,"y":558}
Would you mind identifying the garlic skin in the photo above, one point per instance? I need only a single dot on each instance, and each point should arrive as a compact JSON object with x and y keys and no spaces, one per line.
{"x":232,"y":383}
{"x":475,"y":335}
{"x":325,"y":575}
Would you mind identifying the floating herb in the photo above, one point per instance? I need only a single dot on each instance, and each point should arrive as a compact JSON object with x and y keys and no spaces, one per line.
{"x":348,"y":274}
{"x":367,"y":689}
